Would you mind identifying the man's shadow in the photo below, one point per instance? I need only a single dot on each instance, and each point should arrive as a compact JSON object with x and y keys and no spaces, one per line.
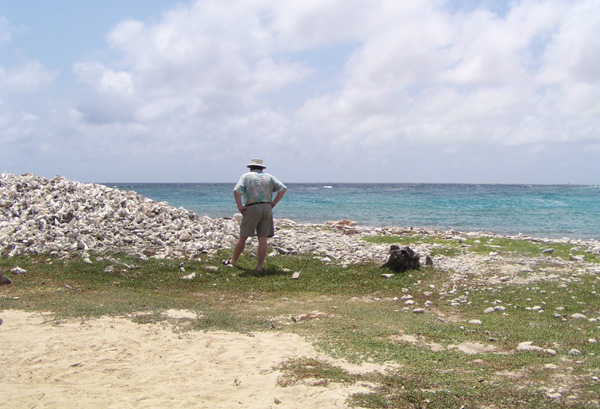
{"x":267,"y":271}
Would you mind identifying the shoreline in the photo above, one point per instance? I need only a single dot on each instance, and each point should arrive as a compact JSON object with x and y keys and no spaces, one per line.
{"x":501,"y":210}
{"x":59,"y":217}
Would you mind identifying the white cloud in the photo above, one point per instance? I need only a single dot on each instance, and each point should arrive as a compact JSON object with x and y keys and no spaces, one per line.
{"x":573,"y":55}
{"x":5,"y":35}
{"x":326,"y":83}
{"x":304,"y":24}
{"x":208,"y":58}
{"x":473,"y":77}
{"x":27,"y":77}
{"x":104,"y":80}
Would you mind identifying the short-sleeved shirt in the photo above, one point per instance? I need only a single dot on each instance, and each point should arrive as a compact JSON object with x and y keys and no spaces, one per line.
{"x":258,"y":187}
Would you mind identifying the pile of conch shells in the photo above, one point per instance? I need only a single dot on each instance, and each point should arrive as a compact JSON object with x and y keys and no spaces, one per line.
{"x":61,"y":217}
{"x":58,"y":217}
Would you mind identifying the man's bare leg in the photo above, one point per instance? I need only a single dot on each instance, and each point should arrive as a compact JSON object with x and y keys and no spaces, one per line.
{"x":239,"y":248}
{"x":262,"y":252}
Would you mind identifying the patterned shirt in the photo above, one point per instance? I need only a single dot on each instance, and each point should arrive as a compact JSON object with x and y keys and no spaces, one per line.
{"x":258,"y":187}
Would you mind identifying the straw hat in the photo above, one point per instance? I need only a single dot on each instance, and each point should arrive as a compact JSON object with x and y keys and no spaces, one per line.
{"x":256,"y":163}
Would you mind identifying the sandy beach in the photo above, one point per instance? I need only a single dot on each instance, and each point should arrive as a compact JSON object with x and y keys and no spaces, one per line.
{"x":116,"y":363}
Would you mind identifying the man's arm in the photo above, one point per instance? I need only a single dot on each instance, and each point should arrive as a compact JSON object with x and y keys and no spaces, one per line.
{"x":238,"y":201}
{"x":280,"y":194}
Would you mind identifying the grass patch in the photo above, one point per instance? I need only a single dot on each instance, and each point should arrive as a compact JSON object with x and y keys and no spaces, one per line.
{"x":453,"y":354}
{"x":451,"y":246}
{"x":313,"y":371}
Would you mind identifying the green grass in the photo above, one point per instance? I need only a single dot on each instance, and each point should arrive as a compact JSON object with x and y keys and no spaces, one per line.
{"x":363,"y":318}
{"x":449,"y":246}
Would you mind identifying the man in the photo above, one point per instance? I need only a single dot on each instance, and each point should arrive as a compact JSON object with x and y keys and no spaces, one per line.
{"x":256,"y":188}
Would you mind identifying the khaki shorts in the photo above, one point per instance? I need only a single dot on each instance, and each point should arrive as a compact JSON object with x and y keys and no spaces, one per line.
{"x":258,"y":221}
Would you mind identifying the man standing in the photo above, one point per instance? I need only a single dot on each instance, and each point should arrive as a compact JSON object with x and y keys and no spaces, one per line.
{"x":256,"y":188}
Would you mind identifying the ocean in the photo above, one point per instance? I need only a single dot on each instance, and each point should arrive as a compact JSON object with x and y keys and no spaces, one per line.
{"x":552,"y":211}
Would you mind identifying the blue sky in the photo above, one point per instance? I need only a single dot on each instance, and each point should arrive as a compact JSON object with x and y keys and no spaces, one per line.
{"x":323,"y":90}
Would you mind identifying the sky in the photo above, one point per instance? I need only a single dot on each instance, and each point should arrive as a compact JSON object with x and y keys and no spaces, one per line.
{"x":428,"y":91}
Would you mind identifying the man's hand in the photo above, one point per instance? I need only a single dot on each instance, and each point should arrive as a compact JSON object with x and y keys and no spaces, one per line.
{"x":280,"y":194}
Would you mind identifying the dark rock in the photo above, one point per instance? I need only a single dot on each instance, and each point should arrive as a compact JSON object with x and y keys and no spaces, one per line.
{"x":4,"y":280}
{"x":402,"y":259}
{"x":428,"y":261}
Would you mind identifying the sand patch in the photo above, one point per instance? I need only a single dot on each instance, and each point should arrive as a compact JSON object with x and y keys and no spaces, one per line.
{"x":469,"y":348}
{"x":411,"y":339}
{"x":113,"y":362}
{"x":472,"y":348}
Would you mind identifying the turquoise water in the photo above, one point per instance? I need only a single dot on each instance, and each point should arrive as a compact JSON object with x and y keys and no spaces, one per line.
{"x":537,"y":210}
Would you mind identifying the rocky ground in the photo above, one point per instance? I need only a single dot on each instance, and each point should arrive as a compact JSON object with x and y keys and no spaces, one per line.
{"x":62,"y":217}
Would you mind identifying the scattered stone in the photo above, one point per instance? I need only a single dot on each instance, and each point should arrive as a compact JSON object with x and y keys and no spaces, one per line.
{"x":475,"y":322}
{"x":296,"y":275}
{"x":18,"y":270}
{"x":575,"y":352}
{"x":212,"y":269}
{"x":277,"y":401}
{"x":310,"y":316}
{"x":528,"y":346}
{"x":489,"y":310}
{"x":554,"y":395}
{"x":341,"y":223}
{"x":387,"y":275}
{"x":578,"y":316}
{"x":189,"y":277}
{"x":547,"y":251}
{"x":419,"y":311}
{"x":109,"y":270}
